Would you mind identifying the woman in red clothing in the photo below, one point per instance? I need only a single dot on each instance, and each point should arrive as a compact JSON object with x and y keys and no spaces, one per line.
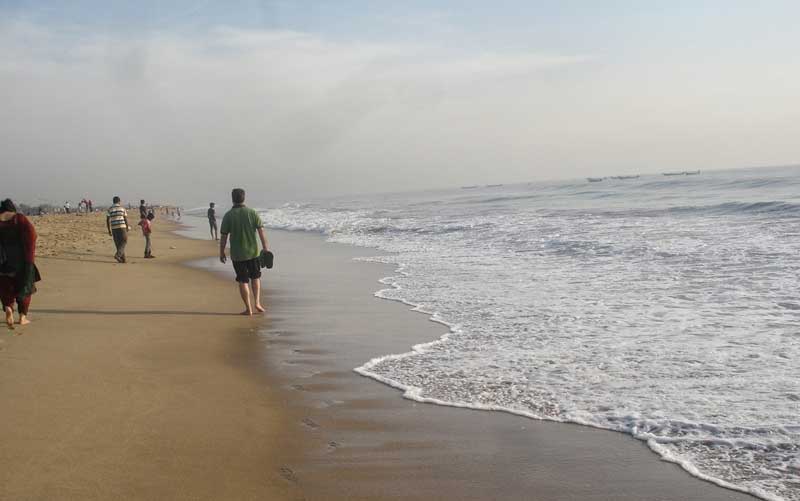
{"x":18,"y":273}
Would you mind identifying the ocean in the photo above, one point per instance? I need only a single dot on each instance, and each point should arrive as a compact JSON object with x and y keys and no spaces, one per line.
{"x":664,"y":307}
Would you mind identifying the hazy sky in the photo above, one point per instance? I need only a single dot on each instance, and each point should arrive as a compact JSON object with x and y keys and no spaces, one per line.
{"x":293,"y":99}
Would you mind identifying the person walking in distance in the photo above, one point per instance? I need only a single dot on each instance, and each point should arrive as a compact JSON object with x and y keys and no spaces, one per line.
{"x":212,"y":221}
{"x":117,"y":224}
{"x":147,"y":230}
{"x":242,"y":224}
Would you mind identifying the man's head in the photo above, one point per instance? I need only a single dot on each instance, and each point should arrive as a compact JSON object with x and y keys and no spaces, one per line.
{"x":141,"y":202}
{"x":211,"y":205}
{"x":237,"y":196}
{"x":117,"y":200}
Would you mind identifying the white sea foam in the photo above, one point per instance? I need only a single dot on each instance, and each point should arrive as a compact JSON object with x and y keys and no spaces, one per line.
{"x":671,"y":321}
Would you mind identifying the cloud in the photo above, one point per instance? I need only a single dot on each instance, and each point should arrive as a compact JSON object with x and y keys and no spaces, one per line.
{"x":220,"y":104}
{"x":184,"y":115}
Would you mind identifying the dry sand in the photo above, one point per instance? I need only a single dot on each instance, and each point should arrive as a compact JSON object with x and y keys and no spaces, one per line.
{"x":135,"y":381}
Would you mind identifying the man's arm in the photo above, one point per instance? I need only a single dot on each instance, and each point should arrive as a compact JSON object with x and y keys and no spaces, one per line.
{"x":127,"y":224}
{"x":108,"y":224}
{"x":223,"y":241}
{"x":263,"y":238}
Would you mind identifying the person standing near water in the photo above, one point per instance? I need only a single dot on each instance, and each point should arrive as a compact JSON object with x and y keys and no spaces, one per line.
{"x":117,"y":224}
{"x":242,"y":224}
{"x":212,"y":221}
{"x":18,"y":273}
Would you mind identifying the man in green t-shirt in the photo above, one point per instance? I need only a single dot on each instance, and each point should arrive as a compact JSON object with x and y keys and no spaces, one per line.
{"x":242,"y":224}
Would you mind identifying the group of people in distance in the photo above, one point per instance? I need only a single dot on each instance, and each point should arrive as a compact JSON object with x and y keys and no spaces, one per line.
{"x":85,"y":205}
{"x":241,"y":226}
{"x":118,"y":226}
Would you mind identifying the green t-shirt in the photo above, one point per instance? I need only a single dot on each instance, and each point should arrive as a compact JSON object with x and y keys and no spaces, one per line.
{"x":241,"y":224}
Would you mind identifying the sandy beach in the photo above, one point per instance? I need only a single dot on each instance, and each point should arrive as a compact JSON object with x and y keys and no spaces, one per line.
{"x":134,"y":381}
{"x":139,"y":381}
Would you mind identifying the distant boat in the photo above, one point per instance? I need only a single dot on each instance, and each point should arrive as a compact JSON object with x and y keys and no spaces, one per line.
{"x":625,"y":177}
{"x":682,"y":173}
{"x":471,"y":187}
{"x":493,"y":185}
{"x":594,"y":179}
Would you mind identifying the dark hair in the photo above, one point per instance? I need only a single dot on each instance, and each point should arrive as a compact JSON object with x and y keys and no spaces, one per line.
{"x":141,"y":202}
{"x":237,"y":195}
{"x":117,"y":200}
{"x":150,"y":216}
{"x":7,"y":206}
{"x":211,"y":204}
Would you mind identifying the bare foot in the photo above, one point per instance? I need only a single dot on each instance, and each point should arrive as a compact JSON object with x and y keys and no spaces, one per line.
{"x":9,"y":318}
{"x":246,"y":313}
{"x":23,"y":320}
{"x":260,"y":308}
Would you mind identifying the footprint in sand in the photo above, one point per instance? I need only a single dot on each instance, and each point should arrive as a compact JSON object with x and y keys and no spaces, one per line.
{"x":289,"y":474}
{"x":310,"y":351}
{"x":324,"y":404}
{"x":310,"y":423}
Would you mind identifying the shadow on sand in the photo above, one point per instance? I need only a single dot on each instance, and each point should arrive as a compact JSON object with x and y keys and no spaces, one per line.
{"x":137,"y":312}
{"x":78,"y":259}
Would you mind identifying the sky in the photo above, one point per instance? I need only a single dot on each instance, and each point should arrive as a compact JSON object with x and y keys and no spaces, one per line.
{"x":291,"y":100}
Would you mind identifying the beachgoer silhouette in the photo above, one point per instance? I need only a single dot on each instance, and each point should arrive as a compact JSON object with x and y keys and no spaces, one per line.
{"x":117,"y":224}
{"x":212,"y":221}
{"x":242,"y":224}
{"x":18,"y":272}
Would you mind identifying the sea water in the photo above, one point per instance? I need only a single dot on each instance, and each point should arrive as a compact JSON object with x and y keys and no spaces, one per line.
{"x":667,"y":308}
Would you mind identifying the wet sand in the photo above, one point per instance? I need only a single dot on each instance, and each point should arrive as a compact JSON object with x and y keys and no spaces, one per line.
{"x":367,"y":442}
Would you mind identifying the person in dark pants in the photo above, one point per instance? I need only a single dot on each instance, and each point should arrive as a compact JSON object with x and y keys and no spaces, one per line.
{"x":117,"y":224}
{"x":212,"y":221}
{"x":242,"y":224}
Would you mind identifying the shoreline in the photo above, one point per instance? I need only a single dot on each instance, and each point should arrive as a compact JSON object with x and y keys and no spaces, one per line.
{"x":359,"y":429}
{"x":412,"y":393}
{"x":134,"y":382}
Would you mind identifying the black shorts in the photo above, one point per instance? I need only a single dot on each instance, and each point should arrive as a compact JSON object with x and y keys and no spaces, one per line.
{"x":247,"y":270}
